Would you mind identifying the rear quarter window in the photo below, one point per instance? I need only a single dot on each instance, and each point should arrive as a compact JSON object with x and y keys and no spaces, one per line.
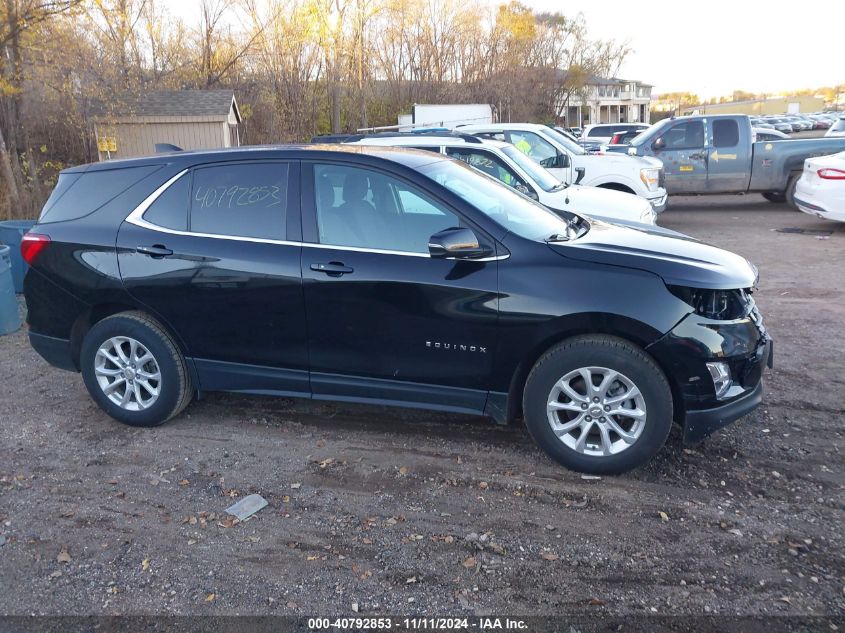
{"x":170,"y":209}
{"x":79,"y":194}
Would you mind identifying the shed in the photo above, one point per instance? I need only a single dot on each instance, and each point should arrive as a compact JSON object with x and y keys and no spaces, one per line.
{"x":190,"y":119}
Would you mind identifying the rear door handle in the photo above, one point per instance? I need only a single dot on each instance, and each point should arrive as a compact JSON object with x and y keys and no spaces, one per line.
{"x":333,"y":269}
{"x":156,"y":250}
{"x":698,"y":156}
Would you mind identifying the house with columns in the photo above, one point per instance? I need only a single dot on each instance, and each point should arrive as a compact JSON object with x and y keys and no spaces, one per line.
{"x":603,"y":100}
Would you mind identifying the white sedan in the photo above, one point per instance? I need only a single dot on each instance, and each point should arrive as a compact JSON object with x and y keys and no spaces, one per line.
{"x":821,"y":189}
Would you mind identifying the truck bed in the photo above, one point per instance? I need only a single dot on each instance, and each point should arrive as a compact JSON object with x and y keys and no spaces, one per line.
{"x":771,"y":160}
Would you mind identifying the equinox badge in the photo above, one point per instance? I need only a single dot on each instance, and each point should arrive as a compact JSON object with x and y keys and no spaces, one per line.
{"x":458,"y":347}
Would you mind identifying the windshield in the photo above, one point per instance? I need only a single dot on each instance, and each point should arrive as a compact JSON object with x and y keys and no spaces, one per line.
{"x":640,"y":138}
{"x":542,"y":177}
{"x":515,"y":212}
{"x":571,"y":146}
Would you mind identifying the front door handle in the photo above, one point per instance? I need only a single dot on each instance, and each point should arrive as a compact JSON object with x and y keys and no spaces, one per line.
{"x":156,"y":250}
{"x":332,"y":269}
{"x":698,"y":156}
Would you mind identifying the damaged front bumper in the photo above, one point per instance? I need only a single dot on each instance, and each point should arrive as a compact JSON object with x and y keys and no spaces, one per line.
{"x":743,"y":346}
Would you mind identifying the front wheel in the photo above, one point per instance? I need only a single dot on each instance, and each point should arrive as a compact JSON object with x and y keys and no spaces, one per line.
{"x":134,"y":371}
{"x":598,"y":404}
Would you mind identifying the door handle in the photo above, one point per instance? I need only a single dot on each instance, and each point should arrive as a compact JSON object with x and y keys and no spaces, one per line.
{"x":698,"y":156}
{"x":333,"y":269}
{"x":156,"y":251}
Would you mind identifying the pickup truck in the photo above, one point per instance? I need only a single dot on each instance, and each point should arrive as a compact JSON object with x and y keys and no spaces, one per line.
{"x":704,"y":154}
{"x":570,"y":163}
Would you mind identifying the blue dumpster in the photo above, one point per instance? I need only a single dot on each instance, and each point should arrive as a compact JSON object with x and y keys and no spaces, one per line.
{"x":11,"y":233}
{"x":10,"y":316}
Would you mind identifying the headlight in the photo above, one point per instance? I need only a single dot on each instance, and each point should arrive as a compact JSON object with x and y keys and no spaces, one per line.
{"x":650,"y":177}
{"x":721,"y":375}
{"x":718,"y":305}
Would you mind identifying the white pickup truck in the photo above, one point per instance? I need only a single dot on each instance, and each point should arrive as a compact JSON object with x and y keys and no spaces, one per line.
{"x":569,"y":162}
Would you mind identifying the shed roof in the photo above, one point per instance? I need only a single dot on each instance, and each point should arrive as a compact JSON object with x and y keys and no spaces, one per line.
{"x":216,"y":104}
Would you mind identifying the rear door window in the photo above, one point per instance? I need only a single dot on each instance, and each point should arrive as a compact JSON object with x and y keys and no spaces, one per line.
{"x":725,"y":133}
{"x":240,"y":200}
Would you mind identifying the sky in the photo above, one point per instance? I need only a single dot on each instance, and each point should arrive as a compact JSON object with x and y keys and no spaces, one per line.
{"x":714,"y":47}
{"x":709,"y":48}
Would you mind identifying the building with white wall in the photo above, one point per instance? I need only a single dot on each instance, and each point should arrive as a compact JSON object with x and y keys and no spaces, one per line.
{"x":612,"y":100}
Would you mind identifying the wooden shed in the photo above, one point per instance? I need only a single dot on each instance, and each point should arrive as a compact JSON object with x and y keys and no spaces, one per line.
{"x":189,"y":119}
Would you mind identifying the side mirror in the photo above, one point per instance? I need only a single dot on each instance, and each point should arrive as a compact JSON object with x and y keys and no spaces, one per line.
{"x":659,"y":144}
{"x":459,"y":243}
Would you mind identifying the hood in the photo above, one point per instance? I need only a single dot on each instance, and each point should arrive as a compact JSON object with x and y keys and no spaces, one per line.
{"x":605,"y":203}
{"x":678,"y":259}
{"x":622,"y":160}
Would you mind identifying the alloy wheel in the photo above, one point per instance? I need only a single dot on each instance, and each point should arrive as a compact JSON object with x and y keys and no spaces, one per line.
{"x":128,"y":373}
{"x":596,"y":411}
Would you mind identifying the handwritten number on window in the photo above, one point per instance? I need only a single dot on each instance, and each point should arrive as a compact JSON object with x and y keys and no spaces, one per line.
{"x":237,"y":196}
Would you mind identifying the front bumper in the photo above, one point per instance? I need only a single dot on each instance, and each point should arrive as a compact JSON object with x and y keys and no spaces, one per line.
{"x":659,"y":200}
{"x":742,"y":344}
{"x":698,"y":424}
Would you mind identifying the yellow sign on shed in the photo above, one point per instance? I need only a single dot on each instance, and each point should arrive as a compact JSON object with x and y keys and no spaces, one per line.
{"x":107,"y":144}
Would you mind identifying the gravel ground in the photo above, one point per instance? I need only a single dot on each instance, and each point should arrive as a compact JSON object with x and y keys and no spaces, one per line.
{"x":385,"y":510}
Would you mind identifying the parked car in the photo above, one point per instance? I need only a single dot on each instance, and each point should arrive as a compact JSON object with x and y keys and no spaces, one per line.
{"x":717,"y":154}
{"x":837,"y":128}
{"x":781,"y":125}
{"x":768,"y":134}
{"x":570,"y":163}
{"x":623,"y":138}
{"x":761,"y":123}
{"x":603,"y":132}
{"x":821,"y":188}
{"x":819,"y":122}
{"x":508,"y":165}
{"x":387,"y":276}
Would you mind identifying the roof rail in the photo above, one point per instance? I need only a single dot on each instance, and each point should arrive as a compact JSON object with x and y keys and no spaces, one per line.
{"x":469,"y":138}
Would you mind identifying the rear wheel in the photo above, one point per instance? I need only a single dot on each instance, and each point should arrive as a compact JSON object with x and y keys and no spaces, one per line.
{"x":598,"y":404}
{"x":134,"y":371}
{"x":790,"y":191}
{"x":774,"y":196}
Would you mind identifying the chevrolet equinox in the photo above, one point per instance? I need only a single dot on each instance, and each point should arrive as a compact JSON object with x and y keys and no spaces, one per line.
{"x":388,"y":276}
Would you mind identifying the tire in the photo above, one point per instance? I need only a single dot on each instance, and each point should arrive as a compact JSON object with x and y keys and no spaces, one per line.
{"x":774,"y":196}
{"x":790,"y":191}
{"x":647,"y":433}
{"x":111,"y":348}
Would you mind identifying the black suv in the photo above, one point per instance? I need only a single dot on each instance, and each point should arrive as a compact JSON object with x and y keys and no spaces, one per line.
{"x":387,"y":276}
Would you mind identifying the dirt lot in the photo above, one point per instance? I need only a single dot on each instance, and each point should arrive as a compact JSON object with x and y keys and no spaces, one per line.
{"x":401,"y":511}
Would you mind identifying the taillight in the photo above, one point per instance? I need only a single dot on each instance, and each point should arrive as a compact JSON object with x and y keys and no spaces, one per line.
{"x":615,"y":139}
{"x":31,"y":246}
{"x":829,"y":173}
